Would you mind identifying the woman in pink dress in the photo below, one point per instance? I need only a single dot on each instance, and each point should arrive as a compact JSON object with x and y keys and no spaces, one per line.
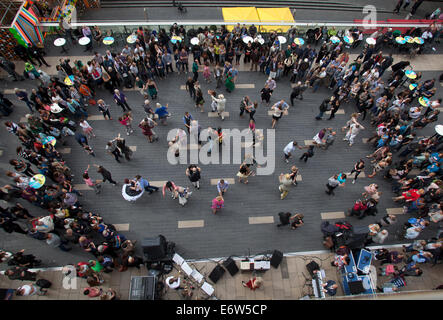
{"x":217,"y":204}
{"x":207,"y":72}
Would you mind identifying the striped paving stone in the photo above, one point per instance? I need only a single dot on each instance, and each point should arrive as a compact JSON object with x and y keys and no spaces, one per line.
{"x":332,"y":215}
{"x":261,"y":220}
{"x":121,"y":226}
{"x":215,"y":114}
{"x":395,"y":211}
{"x":237,"y":86}
{"x":285,"y":113}
{"x":93,"y":118}
{"x":191,"y":224}
{"x":228,"y":180}
{"x":194,"y":146}
{"x":64,"y":150}
{"x":84,"y":186}
{"x":12,"y":91}
{"x":245,"y":86}
{"x":361,"y":175}
{"x":340,"y":111}
{"x":157,"y":183}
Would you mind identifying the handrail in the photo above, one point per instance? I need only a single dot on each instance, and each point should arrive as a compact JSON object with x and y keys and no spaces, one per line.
{"x":247,"y":22}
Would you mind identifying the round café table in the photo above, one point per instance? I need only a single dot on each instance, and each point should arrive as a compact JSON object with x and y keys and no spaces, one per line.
{"x":409,"y":39}
{"x":424,"y":101}
{"x":282,"y":39}
{"x":49,"y":139}
{"x":371,"y":41}
{"x":131,"y":39}
{"x":247,"y":39}
{"x":335,"y":39}
{"x":400,"y":40}
{"x":419,"y":40}
{"x":348,"y":40}
{"x":410,"y":74}
{"x":412,"y":86}
{"x":60,"y":42}
{"x":299,"y":41}
{"x":259,"y":40}
{"x":108,"y":41}
{"x":69,"y":80}
{"x":195,"y":41}
{"x":439,"y":129}
{"x":83,"y":41}
{"x":37,"y":181}
{"x":55,"y":108}
{"x":176,"y":39}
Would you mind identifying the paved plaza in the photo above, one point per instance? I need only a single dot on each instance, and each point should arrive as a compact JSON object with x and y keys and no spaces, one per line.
{"x":246,"y":226}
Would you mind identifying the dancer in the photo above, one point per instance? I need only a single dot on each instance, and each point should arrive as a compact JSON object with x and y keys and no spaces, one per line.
{"x":147,"y":125}
{"x":131,"y":191}
{"x":193,"y":173}
{"x":90,"y":183}
{"x":217,"y":204}
{"x":358,"y":168}
{"x":285,"y":183}
{"x":221,"y":103}
{"x":279,"y":109}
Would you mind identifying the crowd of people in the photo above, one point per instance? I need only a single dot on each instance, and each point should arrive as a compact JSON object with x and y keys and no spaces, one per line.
{"x":59,"y":108}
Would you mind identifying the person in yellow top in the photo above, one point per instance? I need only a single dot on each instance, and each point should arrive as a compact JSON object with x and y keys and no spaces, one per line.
{"x":217,"y":52}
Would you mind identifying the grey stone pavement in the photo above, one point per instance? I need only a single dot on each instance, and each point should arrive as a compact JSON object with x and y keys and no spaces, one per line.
{"x":230,"y":231}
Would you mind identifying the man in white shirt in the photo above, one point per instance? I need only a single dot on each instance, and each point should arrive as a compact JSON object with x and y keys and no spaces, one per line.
{"x":289,"y":149}
{"x":222,"y":186}
{"x":354,"y":129}
{"x":221,"y":103}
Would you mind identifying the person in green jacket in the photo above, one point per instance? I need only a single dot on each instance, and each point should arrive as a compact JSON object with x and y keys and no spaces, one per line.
{"x":30,"y":69}
{"x":229,"y":83}
{"x":95,"y":265}
{"x":195,"y":69}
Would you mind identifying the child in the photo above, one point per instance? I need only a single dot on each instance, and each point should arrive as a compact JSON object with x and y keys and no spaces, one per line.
{"x":217,"y":204}
{"x":126,"y":120}
{"x":93,"y":184}
{"x":207,"y":72}
{"x":293,"y":174}
{"x":89,"y":150}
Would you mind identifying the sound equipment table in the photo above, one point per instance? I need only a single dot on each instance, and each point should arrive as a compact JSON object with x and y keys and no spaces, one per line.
{"x":254,"y":265}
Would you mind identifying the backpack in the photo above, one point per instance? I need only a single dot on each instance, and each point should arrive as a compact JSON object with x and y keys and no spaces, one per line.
{"x":43,"y":283}
{"x":343,"y":226}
